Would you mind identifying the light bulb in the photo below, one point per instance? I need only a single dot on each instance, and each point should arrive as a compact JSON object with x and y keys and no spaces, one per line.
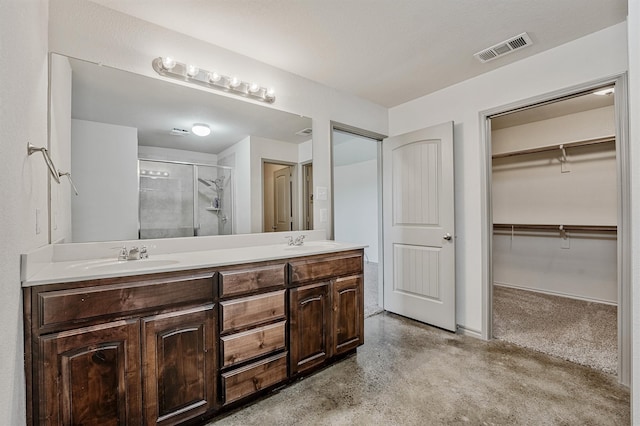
{"x":168,"y":63}
{"x":214,"y":77}
{"x":192,"y":70}
{"x":235,"y":82}
{"x":254,"y":87}
{"x":201,"y":129}
{"x":270,"y":92}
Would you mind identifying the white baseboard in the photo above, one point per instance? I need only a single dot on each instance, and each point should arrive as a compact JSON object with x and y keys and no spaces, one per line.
{"x":555,"y":293}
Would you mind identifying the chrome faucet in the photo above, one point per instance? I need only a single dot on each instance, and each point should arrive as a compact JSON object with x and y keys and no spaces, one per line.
{"x":134,"y":254}
{"x":297,"y":242}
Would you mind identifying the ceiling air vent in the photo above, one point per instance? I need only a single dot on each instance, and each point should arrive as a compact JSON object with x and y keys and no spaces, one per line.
{"x":305,"y":132}
{"x":178,"y":132}
{"x":505,"y":47}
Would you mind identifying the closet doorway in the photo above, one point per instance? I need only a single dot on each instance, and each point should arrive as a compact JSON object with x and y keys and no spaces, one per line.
{"x":557,"y":214}
{"x":357,"y":203}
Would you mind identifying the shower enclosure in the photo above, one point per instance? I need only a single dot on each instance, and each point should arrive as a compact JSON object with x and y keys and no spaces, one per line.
{"x":180,"y":199}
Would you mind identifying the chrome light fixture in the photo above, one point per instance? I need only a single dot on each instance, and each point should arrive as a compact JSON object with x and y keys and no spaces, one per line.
{"x":169,"y":67}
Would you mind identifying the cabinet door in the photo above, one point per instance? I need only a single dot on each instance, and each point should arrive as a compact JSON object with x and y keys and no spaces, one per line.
{"x":91,"y":375}
{"x":348,"y":318}
{"x":179,"y":365}
{"x":310,"y":326}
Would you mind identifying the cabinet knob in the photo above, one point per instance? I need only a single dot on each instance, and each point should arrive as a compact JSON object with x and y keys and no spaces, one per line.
{"x":447,"y":236}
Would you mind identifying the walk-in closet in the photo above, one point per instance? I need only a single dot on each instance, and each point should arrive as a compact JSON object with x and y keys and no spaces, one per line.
{"x":555,"y":207}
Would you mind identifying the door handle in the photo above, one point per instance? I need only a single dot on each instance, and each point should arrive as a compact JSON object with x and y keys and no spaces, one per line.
{"x":447,"y":236}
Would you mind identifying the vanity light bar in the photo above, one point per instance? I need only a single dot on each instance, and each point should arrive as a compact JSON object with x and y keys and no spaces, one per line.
{"x":168,"y":67}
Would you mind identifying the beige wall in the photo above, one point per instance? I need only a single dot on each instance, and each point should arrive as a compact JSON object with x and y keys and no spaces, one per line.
{"x":559,"y":68}
{"x":23,"y":188}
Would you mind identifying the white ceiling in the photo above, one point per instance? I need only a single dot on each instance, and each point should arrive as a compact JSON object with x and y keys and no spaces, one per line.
{"x":387,"y":51}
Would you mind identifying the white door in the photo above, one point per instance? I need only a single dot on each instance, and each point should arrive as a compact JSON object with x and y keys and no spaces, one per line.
{"x":283,"y":212}
{"x":418,"y":215}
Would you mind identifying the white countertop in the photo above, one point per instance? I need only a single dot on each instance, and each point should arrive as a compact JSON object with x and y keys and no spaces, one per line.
{"x":83,"y":269}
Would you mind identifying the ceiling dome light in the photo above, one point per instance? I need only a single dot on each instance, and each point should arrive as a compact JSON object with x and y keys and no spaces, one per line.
{"x":235,"y":82}
{"x":192,"y":70}
{"x":604,"y":92}
{"x":200,"y":129}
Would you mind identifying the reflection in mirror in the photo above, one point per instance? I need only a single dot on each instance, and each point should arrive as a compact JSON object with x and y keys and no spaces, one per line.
{"x":140,"y":170}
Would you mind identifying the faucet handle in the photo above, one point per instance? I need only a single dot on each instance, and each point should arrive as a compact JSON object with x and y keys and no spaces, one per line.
{"x":289,"y":239}
{"x":123,"y":254}
{"x":144,"y":254}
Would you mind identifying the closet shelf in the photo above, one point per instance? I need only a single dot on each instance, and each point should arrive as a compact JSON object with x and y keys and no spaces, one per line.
{"x":557,"y":147}
{"x":532,"y":227}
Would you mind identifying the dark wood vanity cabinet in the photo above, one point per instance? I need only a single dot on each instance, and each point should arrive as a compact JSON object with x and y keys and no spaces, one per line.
{"x":91,"y":375}
{"x":125,"y":351}
{"x":326,"y":302}
{"x":310,"y":309}
{"x":253,"y":319}
{"x":178,"y":374}
{"x":348,"y":313}
{"x":170,"y":348}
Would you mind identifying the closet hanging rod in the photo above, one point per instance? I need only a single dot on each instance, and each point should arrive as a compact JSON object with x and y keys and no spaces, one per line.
{"x":551,"y":228}
{"x":556,"y":147}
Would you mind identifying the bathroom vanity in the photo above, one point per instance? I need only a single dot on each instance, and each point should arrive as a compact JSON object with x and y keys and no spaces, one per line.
{"x":140,"y":346}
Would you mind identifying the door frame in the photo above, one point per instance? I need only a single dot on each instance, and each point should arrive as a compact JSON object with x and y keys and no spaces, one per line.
{"x":334,"y":125}
{"x":307,"y":196}
{"x":624,"y":207}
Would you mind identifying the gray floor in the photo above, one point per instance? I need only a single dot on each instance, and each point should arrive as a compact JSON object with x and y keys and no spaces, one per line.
{"x":412,"y":374}
{"x":575,"y":330}
{"x":371,"y":289}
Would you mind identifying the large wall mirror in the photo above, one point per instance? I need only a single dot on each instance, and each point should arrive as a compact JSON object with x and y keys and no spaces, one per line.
{"x":142,"y":172}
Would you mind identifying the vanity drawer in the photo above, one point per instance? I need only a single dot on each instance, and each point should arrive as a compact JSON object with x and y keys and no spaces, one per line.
{"x":252,"y":343}
{"x":253,"y":310}
{"x":241,"y":281}
{"x":77,"y":304}
{"x":323,"y":267}
{"x":254,"y":377}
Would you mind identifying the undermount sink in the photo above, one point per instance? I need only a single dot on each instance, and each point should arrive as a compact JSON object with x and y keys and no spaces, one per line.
{"x":125,"y":265}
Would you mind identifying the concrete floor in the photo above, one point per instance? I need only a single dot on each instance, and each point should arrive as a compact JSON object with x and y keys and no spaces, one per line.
{"x":412,"y":374}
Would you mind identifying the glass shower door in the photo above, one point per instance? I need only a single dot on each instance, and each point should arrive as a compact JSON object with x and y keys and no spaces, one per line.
{"x":166,"y":200}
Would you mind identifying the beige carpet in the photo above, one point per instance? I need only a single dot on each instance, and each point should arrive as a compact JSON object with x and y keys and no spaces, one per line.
{"x":575,"y":330}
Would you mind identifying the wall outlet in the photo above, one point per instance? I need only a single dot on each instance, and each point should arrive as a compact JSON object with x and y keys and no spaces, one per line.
{"x":323,"y":215}
{"x":321,"y":193}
